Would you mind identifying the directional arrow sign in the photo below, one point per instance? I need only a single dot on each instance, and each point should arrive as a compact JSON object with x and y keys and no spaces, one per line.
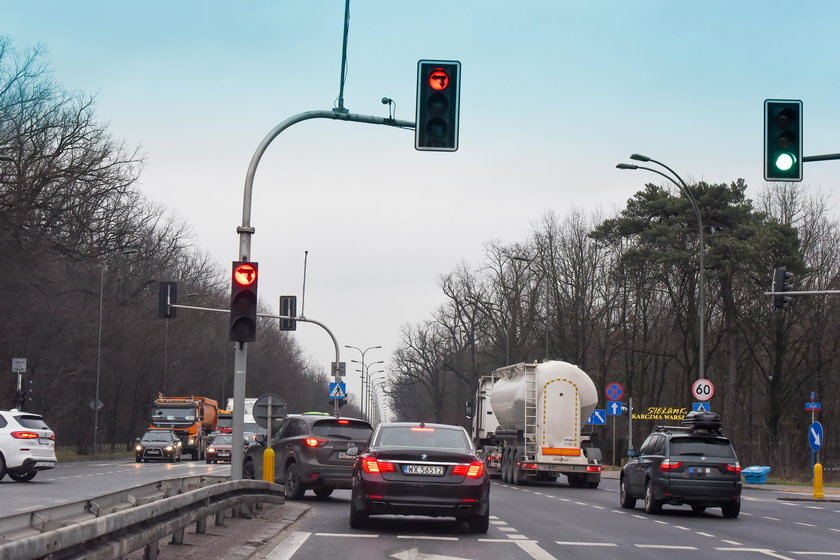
{"x":598,"y":416}
{"x":614,"y":408}
{"x":815,"y":436}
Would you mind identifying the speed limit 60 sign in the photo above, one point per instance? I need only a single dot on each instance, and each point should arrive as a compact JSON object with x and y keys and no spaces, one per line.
{"x":703,"y":389}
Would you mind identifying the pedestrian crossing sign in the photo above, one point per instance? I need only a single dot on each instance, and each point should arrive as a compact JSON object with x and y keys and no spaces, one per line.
{"x":338,"y":390}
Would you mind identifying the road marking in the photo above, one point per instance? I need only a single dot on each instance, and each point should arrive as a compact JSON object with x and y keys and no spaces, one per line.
{"x":767,"y":551}
{"x":569,"y":543}
{"x":637,"y":516}
{"x":666,"y":546}
{"x":495,"y":540}
{"x":661,"y":522}
{"x":835,"y":530}
{"x":288,"y":547}
{"x":515,"y":537}
{"x":763,"y":516}
{"x":503,"y":529}
{"x":550,"y":496}
{"x":809,"y":507}
{"x":680,"y":527}
{"x":493,"y":521}
{"x":534,"y":551}
{"x":697,"y":532}
{"x":425,"y":537}
{"x":809,"y":553}
{"x":342,"y":535}
{"x":618,"y":511}
{"x":596,"y":507}
{"x":537,"y":493}
{"x":797,"y":522}
{"x":578,"y":503}
{"x":735,"y":543}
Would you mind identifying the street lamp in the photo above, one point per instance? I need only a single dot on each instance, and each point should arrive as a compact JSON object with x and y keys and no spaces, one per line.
{"x":362,"y":352}
{"x":365,"y":371}
{"x":701,"y":249}
{"x":370,"y":387}
{"x":96,"y":403}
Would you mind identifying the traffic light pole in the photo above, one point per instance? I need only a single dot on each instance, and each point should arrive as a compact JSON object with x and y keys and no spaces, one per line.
{"x":246,"y":230}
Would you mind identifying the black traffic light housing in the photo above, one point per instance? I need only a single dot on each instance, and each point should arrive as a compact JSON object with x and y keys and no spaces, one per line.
{"x":288,"y":308}
{"x":438,"y":105}
{"x":781,"y":283}
{"x":782,"y":140}
{"x":243,"y":301}
{"x":167,"y":297}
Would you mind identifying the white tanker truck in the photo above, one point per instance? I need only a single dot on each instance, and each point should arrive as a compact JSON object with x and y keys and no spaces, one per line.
{"x":528,"y":421}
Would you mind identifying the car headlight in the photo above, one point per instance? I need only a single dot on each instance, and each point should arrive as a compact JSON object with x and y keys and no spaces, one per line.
{"x":169,"y":448}
{"x":211,"y":450}
{"x":138,"y":448}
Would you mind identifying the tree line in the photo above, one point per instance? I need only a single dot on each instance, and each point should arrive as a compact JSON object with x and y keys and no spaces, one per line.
{"x":81,"y":254}
{"x":618,"y":297}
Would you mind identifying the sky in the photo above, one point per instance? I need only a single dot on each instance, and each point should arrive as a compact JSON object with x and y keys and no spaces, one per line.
{"x":554,"y":93}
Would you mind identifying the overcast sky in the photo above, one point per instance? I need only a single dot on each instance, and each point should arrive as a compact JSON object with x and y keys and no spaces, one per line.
{"x":554,"y":94}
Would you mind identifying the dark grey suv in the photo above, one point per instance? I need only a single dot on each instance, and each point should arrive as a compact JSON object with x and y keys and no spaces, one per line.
{"x":310,"y":453}
{"x":692,"y":464}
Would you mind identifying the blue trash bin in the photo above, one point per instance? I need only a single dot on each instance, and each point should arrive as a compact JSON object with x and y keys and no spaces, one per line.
{"x":755,"y":475}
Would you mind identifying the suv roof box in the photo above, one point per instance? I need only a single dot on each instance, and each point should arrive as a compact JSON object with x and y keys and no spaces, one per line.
{"x":702,"y":420}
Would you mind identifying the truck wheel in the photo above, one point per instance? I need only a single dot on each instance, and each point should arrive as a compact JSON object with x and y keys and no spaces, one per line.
{"x":505,"y":476}
{"x":516,"y":472}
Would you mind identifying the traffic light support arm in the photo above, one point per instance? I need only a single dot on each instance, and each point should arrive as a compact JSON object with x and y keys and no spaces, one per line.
{"x":804,"y":293}
{"x":824,"y":157}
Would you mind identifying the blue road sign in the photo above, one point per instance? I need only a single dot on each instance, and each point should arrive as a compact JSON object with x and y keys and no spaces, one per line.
{"x":701,"y":406}
{"x":815,"y":436}
{"x":338,"y":390}
{"x":813,"y":406}
{"x":615,"y":408}
{"x":598,"y":417}
{"x":614,"y":391}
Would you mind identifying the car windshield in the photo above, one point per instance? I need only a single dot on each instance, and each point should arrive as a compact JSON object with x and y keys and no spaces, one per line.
{"x":342,"y":429}
{"x":424,"y":438}
{"x":701,"y":447}
{"x":174,"y":413}
{"x":222,"y":440}
{"x":156,"y":436}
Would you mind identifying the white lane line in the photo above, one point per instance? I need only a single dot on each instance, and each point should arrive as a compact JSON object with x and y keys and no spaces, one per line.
{"x":503,"y":529}
{"x":835,"y":530}
{"x":569,"y":543}
{"x":655,"y":520}
{"x":534,"y":551}
{"x":637,"y":516}
{"x":517,"y":537}
{"x":808,"y":507}
{"x":766,"y":551}
{"x":696,"y":532}
{"x":492,"y":521}
{"x":666,"y":546}
{"x":680,"y":527}
{"x":495,"y":540}
{"x":426,"y":538}
{"x":578,"y":503}
{"x":618,"y":511}
{"x":494,"y":517}
{"x":547,"y":495}
{"x":565,"y":499}
{"x":763,"y":516}
{"x":596,"y":507}
{"x":797,"y":522}
{"x":537,"y":493}
{"x":809,"y":553}
{"x":734,"y":543}
{"x":286,"y":549}
{"x":346,"y":535}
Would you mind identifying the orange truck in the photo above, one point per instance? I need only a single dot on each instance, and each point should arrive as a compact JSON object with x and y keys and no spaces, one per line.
{"x":192,"y":419}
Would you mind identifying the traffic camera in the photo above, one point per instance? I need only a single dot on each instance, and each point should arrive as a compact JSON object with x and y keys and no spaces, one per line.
{"x":243,"y":302}
{"x":782,"y":140}
{"x":438,"y":105}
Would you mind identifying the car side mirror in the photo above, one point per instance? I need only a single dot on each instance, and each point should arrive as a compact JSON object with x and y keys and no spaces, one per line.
{"x":260,"y":438}
{"x":631,"y":453}
{"x":469,"y":409}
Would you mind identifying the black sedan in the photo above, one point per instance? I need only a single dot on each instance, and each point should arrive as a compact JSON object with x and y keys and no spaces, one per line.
{"x":413,"y":468}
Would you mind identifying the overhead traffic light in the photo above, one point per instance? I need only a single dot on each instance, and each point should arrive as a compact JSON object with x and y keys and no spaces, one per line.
{"x":781,"y":283}
{"x":782,"y":140}
{"x":288,"y":308}
{"x":438,"y":105}
{"x":167,"y":297}
{"x":243,"y":302}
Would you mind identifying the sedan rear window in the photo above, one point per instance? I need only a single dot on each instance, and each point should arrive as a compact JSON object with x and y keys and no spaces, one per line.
{"x":427,"y":438}
{"x":701,"y":447}
{"x":342,"y":429}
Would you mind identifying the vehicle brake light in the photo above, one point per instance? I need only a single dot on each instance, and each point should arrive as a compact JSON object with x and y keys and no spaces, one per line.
{"x":418,"y":429}
{"x":668,"y":465}
{"x":314,"y":442}
{"x":344,"y":421}
{"x":593,"y":468}
{"x":371,"y":465}
{"x":736,"y":468}
{"x":474,"y":470}
{"x":24,"y":435}
{"x":531,"y":466}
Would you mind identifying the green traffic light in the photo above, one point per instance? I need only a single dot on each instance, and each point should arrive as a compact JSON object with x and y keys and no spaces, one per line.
{"x":785,"y":161}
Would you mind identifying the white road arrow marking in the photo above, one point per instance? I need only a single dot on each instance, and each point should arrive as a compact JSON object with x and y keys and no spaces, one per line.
{"x":414,"y":554}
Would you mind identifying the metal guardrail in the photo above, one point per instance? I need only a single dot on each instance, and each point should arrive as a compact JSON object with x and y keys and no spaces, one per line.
{"x":114,"y":525}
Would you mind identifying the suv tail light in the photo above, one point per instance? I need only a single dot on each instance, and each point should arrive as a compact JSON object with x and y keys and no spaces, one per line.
{"x":668,"y":465}
{"x":736,"y":468}
{"x":314,"y":442}
{"x":474,"y":470}
{"x":371,"y":465}
{"x":24,"y":435}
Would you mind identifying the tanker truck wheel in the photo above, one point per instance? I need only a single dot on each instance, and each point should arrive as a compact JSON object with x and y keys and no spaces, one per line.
{"x":505,"y":466}
{"x":517,"y":476}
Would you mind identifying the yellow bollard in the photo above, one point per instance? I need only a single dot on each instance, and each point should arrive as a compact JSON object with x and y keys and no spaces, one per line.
{"x":818,"y":482}
{"x":268,"y":465}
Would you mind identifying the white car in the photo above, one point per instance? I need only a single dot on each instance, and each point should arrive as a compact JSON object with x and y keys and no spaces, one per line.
{"x":27,"y":445}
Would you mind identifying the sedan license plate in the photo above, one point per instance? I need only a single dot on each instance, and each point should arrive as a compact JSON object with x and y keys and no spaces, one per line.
{"x":343,"y":455}
{"x":429,"y":470}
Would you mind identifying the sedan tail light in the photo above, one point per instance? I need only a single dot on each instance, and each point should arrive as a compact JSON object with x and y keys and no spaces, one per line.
{"x":25,"y":435}
{"x":736,"y":468}
{"x":314,"y":442}
{"x":371,"y":465}
{"x":668,"y":465}
{"x":474,"y":470}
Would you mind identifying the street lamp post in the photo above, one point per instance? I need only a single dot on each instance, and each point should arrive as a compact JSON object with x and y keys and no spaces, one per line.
{"x":362,"y":352}
{"x":96,"y":404}
{"x":371,"y":386}
{"x":701,"y":246}
{"x":365,"y":374}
